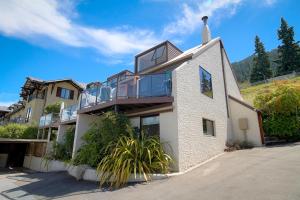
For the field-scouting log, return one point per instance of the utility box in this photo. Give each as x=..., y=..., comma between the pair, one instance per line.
x=3, y=160
x=243, y=123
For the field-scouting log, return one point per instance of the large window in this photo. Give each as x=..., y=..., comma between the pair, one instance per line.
x=28, y=113
x=152, y=58
x=206, y=82
x=208, y=127
x=64, y=93
x=150, y=125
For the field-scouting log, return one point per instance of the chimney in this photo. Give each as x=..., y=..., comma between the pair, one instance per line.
x=206, y=37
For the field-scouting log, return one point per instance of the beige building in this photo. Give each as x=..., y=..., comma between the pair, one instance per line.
x=189, y=99
x=38, y=94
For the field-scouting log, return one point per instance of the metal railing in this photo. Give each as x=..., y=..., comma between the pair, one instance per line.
x=49, y=119
x=19, y=120
x=69, y=113
x=142, y=86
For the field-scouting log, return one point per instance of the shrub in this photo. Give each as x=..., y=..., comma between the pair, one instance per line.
x=18, y=131
x=280, y=112
x=53, y=108
x=127, y=155
x=108, y=128
x=63, y=151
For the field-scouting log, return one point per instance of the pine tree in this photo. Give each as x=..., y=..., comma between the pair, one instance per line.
x=261, y=65
x=289, y=51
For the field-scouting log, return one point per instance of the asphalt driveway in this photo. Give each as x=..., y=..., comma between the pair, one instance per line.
x=259, y=173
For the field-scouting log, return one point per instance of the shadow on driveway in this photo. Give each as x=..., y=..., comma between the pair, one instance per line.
x=44, y=185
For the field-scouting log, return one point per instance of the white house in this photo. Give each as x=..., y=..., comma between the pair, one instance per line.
x=190, y=99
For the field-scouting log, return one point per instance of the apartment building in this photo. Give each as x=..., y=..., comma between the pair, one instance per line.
x=189, y=99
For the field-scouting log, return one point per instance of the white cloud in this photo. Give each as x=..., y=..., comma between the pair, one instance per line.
x=190, y=18
x=192, y=12
x=29, y=19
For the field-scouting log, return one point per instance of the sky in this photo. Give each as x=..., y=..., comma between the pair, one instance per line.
x=89, y=40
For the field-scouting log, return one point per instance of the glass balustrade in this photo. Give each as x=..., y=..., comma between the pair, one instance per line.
x=142, y=86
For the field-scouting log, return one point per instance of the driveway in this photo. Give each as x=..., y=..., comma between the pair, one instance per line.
x=259, y=173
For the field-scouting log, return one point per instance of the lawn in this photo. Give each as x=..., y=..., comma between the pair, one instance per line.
x=250, y=93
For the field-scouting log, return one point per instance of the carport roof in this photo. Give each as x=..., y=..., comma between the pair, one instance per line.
x=9, y=140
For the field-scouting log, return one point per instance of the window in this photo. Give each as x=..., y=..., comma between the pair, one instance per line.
x=208, y=127
x=150, y=125
x=152, y=58
x=206, y=83
x=28, y=113
x=64, y=93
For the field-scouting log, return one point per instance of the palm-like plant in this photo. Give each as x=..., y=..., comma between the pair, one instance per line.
x=130, y=155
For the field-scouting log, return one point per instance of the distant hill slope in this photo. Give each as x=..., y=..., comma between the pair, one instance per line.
x=242, y=69
x=250, y=93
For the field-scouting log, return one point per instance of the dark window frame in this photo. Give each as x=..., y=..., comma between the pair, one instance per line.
x=64, y=93
x=204, y=124
x=147, y=116
x=211, y=84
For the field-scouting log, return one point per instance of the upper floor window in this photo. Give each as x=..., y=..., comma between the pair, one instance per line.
x=206, y=82
x=152, y=58
x=64, y=93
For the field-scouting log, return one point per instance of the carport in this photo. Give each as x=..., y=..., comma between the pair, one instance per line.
x=13, y=151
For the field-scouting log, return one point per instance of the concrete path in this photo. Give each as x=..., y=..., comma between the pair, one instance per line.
x=260, y=173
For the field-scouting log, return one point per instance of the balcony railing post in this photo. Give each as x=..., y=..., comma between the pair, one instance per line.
x=97, y=93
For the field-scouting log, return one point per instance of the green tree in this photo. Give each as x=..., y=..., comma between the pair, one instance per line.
x=289, y=51
x=261, y=69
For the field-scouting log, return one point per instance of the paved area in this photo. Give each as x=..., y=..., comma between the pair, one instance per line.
x=260, y=173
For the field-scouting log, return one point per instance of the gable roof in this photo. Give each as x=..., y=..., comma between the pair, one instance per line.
x=32, y=83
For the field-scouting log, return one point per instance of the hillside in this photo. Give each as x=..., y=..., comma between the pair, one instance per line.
x=242, y=69
x=250, y=93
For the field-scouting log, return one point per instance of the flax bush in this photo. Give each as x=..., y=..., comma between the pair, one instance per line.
x=132, y=155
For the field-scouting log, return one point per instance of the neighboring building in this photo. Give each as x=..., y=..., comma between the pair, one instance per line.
x=189, y=99
x=38, y=94
x=4, y=110
x=16, y=114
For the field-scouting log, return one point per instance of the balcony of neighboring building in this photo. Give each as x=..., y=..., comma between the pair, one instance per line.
x=127, y=93
x=49, y=120
x=68, y=114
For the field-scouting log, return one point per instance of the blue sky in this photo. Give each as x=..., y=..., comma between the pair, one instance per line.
x=88, y=40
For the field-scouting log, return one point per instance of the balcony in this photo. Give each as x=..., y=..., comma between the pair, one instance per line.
x=19, y=120
x=69, y=114
x=130, y=90
x=49, y=120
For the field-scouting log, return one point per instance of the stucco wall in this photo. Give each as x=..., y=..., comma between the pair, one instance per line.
x=253, y=133
x=37, y=107
x=191, y=106
x=20, y=113
x=52, y=98
x=232, y=87
x=83, y=123
x=168, y=134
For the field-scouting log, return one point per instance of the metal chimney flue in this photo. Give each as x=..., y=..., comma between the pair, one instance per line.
x=206, y=37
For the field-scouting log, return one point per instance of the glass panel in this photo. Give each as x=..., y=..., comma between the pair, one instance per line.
x=89, y=96
x=150, y=126
x=152, y=58
x=206, y=83
x=208, y=127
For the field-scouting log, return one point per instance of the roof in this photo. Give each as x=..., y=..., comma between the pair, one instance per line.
x=185, y=55
x=32, y=83
x=4, y=109
x=11, y=140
